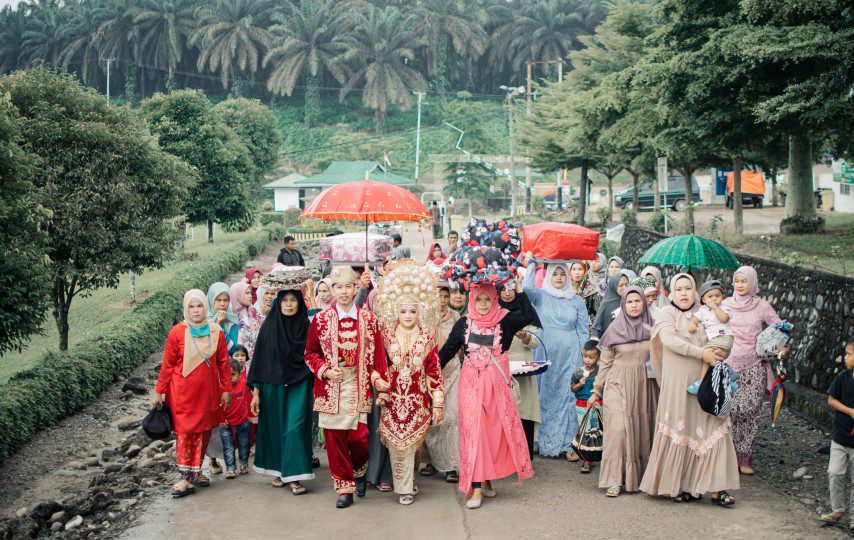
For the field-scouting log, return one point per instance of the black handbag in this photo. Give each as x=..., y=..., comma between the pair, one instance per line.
x=588, y=442
x=157, y=424
x=715, y=392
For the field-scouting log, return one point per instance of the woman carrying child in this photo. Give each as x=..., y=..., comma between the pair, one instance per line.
x=749, y=313
x=283, y=388
x=630, y=396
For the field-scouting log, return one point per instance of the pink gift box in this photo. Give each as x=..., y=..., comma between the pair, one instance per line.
x=350, y=248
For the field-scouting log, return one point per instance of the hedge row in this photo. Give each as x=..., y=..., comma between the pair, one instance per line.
x=63, y=384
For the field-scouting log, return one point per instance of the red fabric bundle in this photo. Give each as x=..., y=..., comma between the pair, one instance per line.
x=551, y=241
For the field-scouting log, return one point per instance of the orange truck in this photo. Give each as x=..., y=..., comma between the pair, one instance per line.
x=752, y=188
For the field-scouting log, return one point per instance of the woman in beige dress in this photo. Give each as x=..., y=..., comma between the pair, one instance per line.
x=692, y=452
x=630, y=396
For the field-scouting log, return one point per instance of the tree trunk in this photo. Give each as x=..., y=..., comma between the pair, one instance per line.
x=656, y=192
x=210, y=232
x=379, y=120
x=582, y=195
x=774, y=188
x=800, y=199
x=312, y=100
x=635, y=193
x=610, y=194
x=737, y=210
x=688, y=173
x=132, y=287
x=61, y=306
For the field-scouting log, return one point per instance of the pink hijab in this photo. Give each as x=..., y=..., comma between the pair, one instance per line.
x=237, y=291
x=496, y=313
x=749, y=301
x=625, y=329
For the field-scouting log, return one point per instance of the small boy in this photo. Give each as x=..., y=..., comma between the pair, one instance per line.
x=715, y=317
x=236, y=424
x=840, y=396
x=582, y=386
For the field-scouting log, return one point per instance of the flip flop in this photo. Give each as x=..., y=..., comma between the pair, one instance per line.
x=202, y=482
x=178, y=493
x=298, y=489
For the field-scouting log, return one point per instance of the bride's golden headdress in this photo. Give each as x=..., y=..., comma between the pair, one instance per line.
x=407, y=282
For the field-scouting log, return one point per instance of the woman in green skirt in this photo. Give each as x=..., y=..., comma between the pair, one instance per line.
x=283, y=392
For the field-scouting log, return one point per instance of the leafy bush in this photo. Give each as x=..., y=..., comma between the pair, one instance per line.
x=270, y=217
x=62, y=384
x=608, y=248
x=291, y=217
x=802, y=225
x=656, y=222
x=629, y=217
x=604, y=214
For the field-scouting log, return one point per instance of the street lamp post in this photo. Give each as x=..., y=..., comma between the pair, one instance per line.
x=512, y=92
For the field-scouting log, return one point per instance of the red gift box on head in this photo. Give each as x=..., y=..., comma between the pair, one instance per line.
x=550, y=241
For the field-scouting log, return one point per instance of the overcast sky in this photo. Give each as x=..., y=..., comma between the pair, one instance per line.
x=8, y=3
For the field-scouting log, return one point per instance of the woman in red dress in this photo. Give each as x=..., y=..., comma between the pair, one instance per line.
x=195, y=380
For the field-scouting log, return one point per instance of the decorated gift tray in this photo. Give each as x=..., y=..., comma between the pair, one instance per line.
x=519, y=368
x=350, y=248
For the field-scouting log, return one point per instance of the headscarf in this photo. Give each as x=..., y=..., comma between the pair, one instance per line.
x=515, y=306
x=323, y=305
x=259, y=300
x=614, y=258
x=496, y=312
x=694, y=306
x=249, y=275
x=436, y=260
x=585, y=287
x=662, y=300
x=401, y=253
x=215, y=290
x=598, y=276
x=626, y=329
x=463, y=311
x=748, y=301
x=671, y=316
x=197, y=350
x=567, y=291
x=238, y=291
x=280, y=347
x=610, y=302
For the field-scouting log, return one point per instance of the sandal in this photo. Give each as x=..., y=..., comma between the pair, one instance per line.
x=202, y=481
x=277, y=483
x=833, y=518
x=244, y=469
x=215, y=467
x=686, y=497
x=585, y=468
x=452, y=477
x=178, y=493
x=745, y=470
x=406, y=500
x=572, y=457
x=427, y=470
x=315, y=462
x=723, y=499
x=297, y=488
x=613, y=491
x=382, y=486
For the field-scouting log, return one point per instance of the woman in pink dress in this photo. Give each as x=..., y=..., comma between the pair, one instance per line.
x=492, y=441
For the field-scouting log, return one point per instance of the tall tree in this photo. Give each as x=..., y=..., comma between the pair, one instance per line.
x=117, y=38
x=43, y=39
x=164, y=26
x=303, y=46
x=232, y=36
x=379, y=51
x=110, y=191
x=256, y=126
x=23, y=274
x=188, y=127
x=13, y=24
x=80, y=52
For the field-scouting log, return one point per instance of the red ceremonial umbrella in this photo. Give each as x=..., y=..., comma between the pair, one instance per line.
x=366, y=201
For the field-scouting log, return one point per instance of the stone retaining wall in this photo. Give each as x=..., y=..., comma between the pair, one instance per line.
x=818, y=304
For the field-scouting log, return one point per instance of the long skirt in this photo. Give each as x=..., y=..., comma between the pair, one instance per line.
x=379, y=463
x=190, y=452
x=283, y=444
x=746, y=408
x=443, y=440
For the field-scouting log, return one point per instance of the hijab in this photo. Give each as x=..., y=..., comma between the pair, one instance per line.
x=610, y=302
x=662, y=300
x=496, y=312
x=197, y=349
x=463, y=311
x=323, y=305
x=249, y=275
x=598, y=276
x=215, y=290
x=677, y=318
x=516, y=305
x=585, y=288
x=626, y=329
x=567, y=291
x=748, y=301
x=614, y=258
x=280, y=346
x=238, y=291
x=694, y=306
x=436, y=260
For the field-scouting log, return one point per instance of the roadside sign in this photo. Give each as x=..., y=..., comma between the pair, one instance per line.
x=661, y=173
x=845, y=175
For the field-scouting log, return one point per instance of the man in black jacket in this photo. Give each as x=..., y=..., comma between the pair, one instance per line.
x=290, y=255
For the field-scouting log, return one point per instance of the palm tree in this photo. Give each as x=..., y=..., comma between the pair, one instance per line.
x=449, y=22
x=231, y=34
x=81, y=52
x=42, y=40
x=304, y=46
x=379, y=50
x=163, y=27
x=13, y=24
x=117, y=36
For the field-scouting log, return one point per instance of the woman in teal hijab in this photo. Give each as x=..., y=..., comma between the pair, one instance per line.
x=219, y=311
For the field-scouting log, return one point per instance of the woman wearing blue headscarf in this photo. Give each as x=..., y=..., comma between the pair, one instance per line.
x=219, y=311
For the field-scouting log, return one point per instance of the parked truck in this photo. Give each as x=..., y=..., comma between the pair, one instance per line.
x=752, y=188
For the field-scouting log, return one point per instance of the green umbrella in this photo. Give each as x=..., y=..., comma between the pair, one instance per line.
x=689, y=251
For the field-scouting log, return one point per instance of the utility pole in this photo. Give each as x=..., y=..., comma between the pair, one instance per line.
x=527, y=164
x=418, y=134
x=512, y=163
x=108, y=61
x=560, y=172
x=582, y=199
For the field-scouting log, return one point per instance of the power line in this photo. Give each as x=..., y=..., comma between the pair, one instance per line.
x=362, y=141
